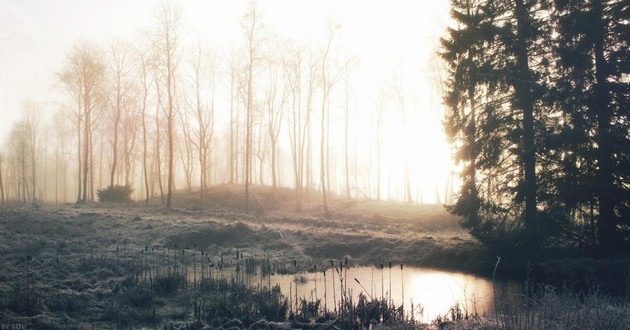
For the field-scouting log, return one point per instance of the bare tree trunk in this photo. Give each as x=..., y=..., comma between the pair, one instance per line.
x=167, y=46
x=86, y=154
x=251, y=26
x=327, y=83
x=158, y=145
x=322, y=154
x=33, y=172
x=248, y=136
x=379, y=121
x=24, y=189
x=233, y=123
x=187, y=154
x=170, y=135
x=79, y=167
x=145, y=85
x=400, y=97
x=115, y=144
x=346, y=139
x=91, y=136
x=328, y=184
x=1, y=183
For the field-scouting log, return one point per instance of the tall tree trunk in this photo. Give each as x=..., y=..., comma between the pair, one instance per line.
x=322, y=155
x=406, y=177
x=86, y=154
x=347, y=167
x=248, y=135
x=145, y=169
x=1, y=183
x=158, y=142
x=33, y=170
x=523, y=91
x=232, y=124
x=606, y=225
x=91, y=143
x=79, y=164
x=115, y=146
x=170, y=133
x=24, y=188
x=379, y=145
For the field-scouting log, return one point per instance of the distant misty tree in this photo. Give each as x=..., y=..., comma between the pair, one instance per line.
x=83, y=79
x=144, y=69
x=329, y=75
x=276, y=94
x=300, y=76
x=203, y=76
x=1, y=181
x=251, y=25
x=32, y=121
x=166, y=46
x=121, y=72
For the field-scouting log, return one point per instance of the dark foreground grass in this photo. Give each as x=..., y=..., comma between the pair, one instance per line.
x=131, y=268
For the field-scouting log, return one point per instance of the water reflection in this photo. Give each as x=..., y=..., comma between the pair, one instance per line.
x=426, y=293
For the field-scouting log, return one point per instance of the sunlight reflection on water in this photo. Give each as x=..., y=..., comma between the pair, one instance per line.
x=432, y=292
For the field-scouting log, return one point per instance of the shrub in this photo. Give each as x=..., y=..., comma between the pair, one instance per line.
x=115, y=194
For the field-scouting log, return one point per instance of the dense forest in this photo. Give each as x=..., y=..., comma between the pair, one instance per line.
x=538, y=99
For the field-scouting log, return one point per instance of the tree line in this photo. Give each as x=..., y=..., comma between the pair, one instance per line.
x=166, y=112
x=538, y=97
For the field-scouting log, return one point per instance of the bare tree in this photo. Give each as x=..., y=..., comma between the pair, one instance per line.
x=32, y=123
x=347, y=130
x=329, y=76
x=82, y=77
x=203, y=81
x=167, y=45
x=130, y=137
x=398, y=88
x=19, y=148
x=276, y=95
x=300, y=75
x=62, y=154
x=186, y=154
x=254, y=41
x=157, y=164
x=378, y=117
x=121, y=69
x=293, y=72
x=235, y=93
x=1, y=181
x=144, y=68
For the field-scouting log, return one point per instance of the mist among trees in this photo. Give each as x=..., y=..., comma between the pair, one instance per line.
x=536, y=96
x=166, y=111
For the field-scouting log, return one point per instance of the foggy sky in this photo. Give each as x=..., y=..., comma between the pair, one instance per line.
x=35, y=35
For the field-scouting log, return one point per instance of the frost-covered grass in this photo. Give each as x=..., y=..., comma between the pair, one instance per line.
x=130, y=266
x=545, y=308
x=74, y=266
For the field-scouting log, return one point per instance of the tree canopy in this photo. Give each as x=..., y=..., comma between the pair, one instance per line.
x=537, y=97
